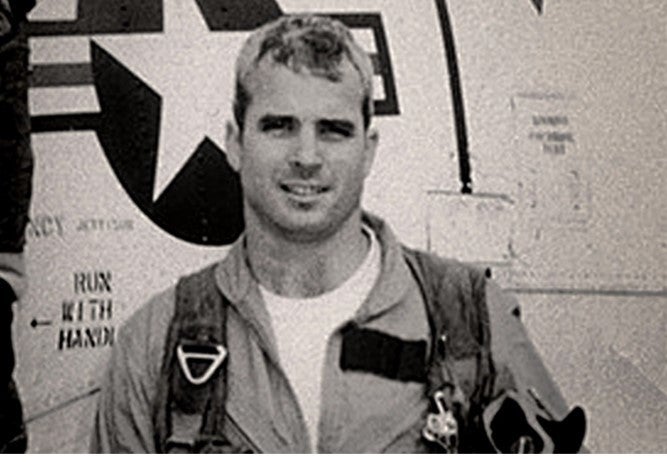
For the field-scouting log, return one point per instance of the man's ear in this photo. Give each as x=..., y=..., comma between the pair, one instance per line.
x=372, y=140
x=233, y=145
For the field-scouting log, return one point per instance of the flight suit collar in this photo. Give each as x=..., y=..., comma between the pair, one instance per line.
x=236, y=281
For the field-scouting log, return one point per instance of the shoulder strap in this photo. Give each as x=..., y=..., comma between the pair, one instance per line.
x=190, y=413
x=460, y=358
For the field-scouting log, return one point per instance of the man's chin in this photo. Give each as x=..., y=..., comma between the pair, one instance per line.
x=307, y=231
x=305, y=225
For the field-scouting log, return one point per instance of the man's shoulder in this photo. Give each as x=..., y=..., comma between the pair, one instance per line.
x=463, y=275
x=443, y=268
x=146, y=328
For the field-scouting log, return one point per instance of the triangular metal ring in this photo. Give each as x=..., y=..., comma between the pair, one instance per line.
x=215, y=358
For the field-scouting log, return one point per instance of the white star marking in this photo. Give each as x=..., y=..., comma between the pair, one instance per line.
x=192, y=68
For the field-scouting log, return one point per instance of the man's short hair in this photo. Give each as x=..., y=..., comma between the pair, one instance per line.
x=318, y=43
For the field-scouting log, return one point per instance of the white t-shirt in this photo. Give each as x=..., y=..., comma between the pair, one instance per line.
x=302, y=327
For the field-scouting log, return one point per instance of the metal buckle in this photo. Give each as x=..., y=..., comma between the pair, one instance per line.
x=214, y=353
x=441, y=427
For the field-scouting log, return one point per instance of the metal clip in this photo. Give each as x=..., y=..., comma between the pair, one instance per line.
x=214, y=353
x=441, y=427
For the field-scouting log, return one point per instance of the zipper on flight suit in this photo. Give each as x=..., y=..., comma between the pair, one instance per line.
x=241, y=434
x=274, y=361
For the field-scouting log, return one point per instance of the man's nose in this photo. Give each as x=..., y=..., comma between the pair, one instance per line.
x=306, y=155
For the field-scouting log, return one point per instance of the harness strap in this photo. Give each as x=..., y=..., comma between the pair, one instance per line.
x=199, y=322
x=461, y=372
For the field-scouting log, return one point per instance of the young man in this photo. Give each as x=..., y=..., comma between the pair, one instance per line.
x=315, y=325
x=15, y=192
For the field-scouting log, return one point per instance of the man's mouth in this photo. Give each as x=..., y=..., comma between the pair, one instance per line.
x=304, y=190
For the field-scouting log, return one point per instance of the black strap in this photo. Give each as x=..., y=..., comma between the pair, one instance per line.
x=460, y=359
x=213, y=420
x=200, y=316
x=425, y=277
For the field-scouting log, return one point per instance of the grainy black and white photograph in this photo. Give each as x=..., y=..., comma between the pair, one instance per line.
x=333, y=226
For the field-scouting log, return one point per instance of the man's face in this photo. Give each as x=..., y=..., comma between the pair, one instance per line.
x=304, y=153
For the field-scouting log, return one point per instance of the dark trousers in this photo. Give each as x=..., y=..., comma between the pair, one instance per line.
x=15, y=191
x=13, y=436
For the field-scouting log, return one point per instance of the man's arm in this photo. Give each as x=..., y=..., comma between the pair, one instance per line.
x=124, y=418
x=511, y=347
x=12, y=270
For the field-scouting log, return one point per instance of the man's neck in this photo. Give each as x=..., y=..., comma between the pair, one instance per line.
x=298, y=269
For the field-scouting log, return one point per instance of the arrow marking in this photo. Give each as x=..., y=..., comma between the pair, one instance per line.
x=34, y=323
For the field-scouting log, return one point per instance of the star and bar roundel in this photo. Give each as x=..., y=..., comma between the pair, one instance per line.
x=155, y=68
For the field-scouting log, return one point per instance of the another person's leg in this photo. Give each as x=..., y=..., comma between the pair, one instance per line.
x=15, y=191
x=13, y=436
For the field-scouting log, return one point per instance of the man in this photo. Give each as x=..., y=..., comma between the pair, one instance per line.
x=15, y=192
x=313, y=333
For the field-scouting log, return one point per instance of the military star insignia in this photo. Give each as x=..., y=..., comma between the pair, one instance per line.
x=192, y=68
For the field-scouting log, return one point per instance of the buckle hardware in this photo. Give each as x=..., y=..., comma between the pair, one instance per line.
x=214, y=353
x=441, y=427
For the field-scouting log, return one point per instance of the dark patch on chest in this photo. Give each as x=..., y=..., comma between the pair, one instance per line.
x=375, y=352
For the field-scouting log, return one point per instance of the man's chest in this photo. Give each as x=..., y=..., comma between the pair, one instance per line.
x=363, y=407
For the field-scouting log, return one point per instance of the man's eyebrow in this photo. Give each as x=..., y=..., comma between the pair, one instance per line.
x=268, y=119
x=338, y=124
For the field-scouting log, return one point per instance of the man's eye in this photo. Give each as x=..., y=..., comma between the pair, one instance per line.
x=277, y=126
x=336, y=131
